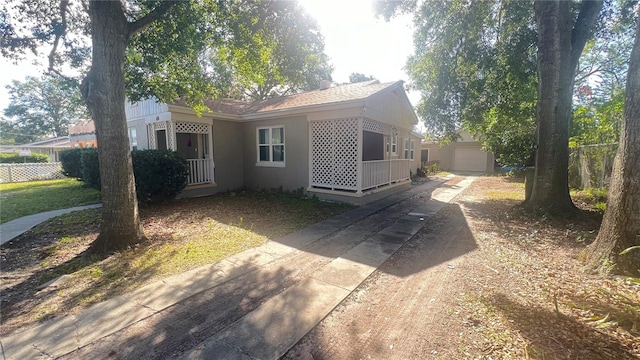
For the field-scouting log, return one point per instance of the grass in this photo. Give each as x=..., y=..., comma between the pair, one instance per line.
x=27, y=198
x=183, y=235
x=594, y=198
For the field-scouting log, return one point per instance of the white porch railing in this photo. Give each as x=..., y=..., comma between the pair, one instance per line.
x=200, y=171
x=383, y=172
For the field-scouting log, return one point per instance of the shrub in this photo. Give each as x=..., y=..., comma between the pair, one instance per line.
x=71, y=166
x=160, y=174
x=90, y=167
x=15, y=158
x=431, y=168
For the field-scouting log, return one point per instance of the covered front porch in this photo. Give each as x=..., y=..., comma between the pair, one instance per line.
x=357, y=156
x=194, y=141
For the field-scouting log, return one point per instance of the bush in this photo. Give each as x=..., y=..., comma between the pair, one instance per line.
x=160, y=174
x=15, y=158
x=90, y=167
x=71, y=166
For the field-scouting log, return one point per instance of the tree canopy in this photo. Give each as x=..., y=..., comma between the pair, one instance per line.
x=42, y=107
x=475, y=65
x=358, y=77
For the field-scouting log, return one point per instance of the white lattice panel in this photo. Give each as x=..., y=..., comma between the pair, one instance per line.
x=30, y=172
x=171, y=135
x=192, y=128
x=335, y=154
x=151, y=133
x=322, y=153
x=375, y=126
x=161, y=125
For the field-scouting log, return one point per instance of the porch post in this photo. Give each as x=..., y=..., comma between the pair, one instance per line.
x=213, y=162
x=310, y=142
x=359, y=157
x=171, y=136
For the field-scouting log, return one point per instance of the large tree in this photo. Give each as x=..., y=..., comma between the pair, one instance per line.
x=40, y=107
x=620, y=228
x=139, y=48
x=475, y=67
x=562, y=36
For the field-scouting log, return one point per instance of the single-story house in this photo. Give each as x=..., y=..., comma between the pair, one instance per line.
x=50, y=147
x=338, y=142
x=82, y=134
x=464, y=155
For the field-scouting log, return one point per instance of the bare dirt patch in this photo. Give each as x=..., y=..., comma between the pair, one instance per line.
x=482, y=281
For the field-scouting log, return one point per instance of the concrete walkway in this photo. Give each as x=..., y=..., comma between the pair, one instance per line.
x=12, y=229
x=265, y=332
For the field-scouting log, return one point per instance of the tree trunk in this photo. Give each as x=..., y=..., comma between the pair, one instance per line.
x=104, y=91
x=620, y=227
x=559, y=47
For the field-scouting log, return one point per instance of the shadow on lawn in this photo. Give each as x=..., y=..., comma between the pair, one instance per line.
x=573, y=232
x=555, y=336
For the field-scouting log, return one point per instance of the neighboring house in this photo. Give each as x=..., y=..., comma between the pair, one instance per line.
x=341, y=142
x=429, y=151
x=464, y=155
x=82, y=134
x=50, y=147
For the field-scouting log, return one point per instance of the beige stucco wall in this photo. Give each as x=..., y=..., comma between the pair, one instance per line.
x=434, y=151
x=228, y=151
x=295, y=174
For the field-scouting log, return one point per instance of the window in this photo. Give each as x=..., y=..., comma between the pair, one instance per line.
x=406, y=148
x=133, y=138
x=271, y=146
x=394, y=144
x=411, y=147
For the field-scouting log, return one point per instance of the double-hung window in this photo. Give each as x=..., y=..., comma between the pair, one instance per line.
x=270, y=146
x=406, y=148
x=394, y=144
x=411, y=149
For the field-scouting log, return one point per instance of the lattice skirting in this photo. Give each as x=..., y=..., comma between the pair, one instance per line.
x=30, y=172
x=334, y=154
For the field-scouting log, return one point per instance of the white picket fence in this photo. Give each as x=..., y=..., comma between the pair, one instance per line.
x=30, y=172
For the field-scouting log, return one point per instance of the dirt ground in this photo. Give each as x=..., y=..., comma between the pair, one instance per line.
x=479, y=281
x=482, y=282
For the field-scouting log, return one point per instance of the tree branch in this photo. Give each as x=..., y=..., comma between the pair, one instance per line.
x=59, y=33
x=583, y=28
x=148, y=19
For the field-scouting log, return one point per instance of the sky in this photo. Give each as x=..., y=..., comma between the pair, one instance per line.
x=355, y=41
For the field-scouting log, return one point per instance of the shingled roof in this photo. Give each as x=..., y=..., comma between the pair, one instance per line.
x=332, y=95
x=336, y=94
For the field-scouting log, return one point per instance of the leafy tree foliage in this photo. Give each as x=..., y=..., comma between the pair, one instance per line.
x=475, y=67
x=358, y=77
x=480, y=65
x=597, y=122
x=43, y=107
x=257, y=49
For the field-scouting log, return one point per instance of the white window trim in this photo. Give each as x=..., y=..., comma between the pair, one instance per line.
x=394, y=144
x=133, y=141
x=270, y=163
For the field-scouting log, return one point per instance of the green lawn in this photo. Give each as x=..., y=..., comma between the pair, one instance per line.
x=27, y=198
